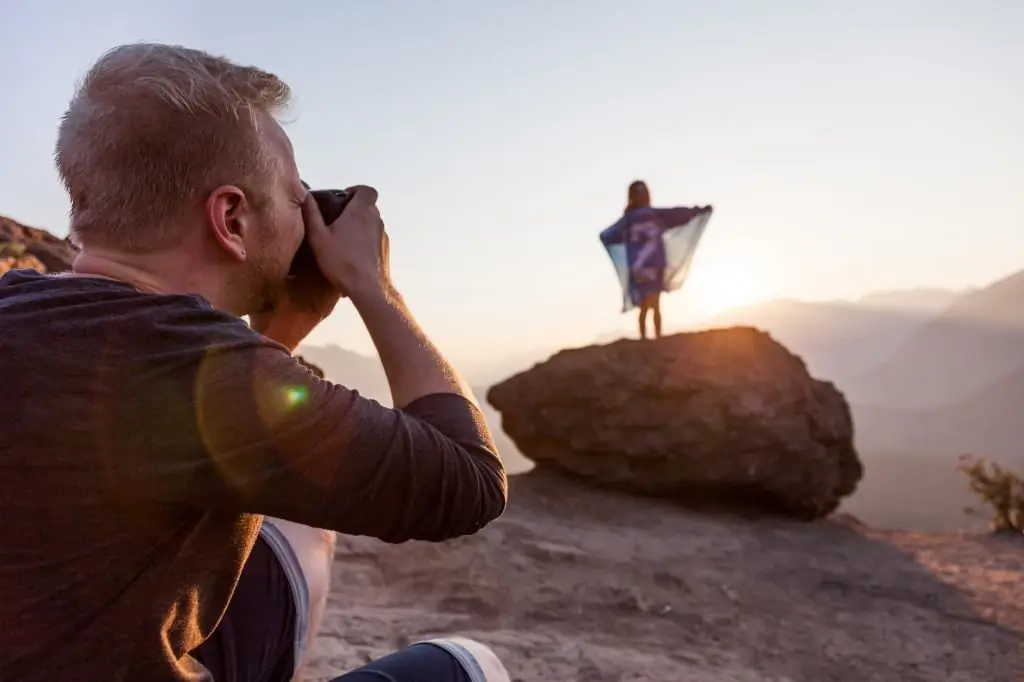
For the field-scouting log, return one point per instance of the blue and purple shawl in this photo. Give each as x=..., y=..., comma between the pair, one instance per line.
x=652, y=248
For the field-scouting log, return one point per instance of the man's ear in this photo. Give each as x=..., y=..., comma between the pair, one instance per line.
x=231, y=219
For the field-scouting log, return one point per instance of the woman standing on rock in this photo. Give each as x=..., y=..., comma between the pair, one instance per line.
x=648, y=268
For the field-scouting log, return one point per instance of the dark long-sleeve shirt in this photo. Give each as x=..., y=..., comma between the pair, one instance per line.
x=142, y=437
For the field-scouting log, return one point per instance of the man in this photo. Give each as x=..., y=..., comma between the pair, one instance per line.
x=147, y=429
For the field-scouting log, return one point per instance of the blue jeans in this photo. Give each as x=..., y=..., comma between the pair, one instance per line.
x=417, y=663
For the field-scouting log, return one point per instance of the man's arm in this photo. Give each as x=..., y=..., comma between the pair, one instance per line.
x=235, y=423
x=273, y=438
x=413, y=365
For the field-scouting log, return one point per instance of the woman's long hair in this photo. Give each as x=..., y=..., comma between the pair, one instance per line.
x=638, y=196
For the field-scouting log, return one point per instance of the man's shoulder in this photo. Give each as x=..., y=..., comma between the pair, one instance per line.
x=92, y=307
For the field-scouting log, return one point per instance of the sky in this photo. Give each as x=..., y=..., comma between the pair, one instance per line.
x=846, y=147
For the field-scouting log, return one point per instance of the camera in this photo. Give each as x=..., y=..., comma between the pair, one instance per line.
x=331, y=202
x=304, y=276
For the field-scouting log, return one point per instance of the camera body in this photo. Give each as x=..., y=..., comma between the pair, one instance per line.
x=304, y=277
x=331, y=203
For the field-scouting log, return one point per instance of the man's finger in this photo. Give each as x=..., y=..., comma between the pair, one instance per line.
x=362, y=195
x=311, y=217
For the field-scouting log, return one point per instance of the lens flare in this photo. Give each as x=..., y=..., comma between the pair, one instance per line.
x=296, y=395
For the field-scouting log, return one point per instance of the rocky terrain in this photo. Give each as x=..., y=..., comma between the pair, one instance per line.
x=33, y=248
x=574, y=583
x=727, y=416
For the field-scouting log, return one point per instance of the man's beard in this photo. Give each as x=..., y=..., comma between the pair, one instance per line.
x=265, y=281
x=266, y=287
x=270, y=292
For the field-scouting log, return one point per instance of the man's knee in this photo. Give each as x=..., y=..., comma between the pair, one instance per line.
x=480, y=657
x=314, y=550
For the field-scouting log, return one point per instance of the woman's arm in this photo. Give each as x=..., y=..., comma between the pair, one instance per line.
x=680, y=215
x=616, y=234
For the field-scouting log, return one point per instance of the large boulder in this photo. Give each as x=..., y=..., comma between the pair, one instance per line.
x=29, y=247
x=727, y=416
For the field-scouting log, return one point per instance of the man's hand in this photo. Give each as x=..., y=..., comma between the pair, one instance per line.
x=305, y=301
x=292, y=320
x=352, y=252
x=353, y=255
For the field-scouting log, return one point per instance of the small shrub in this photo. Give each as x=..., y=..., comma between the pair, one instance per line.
x=999, y=489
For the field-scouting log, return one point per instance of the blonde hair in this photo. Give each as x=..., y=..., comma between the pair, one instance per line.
x=152, y=128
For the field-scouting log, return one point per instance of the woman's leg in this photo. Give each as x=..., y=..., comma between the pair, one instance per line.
x=454, y=659
x=650, y=303
x=655, y=305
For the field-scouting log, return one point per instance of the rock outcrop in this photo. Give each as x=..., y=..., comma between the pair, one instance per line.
x=30, y=247
x=727, y=417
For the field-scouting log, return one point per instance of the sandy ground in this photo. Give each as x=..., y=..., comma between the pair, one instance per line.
x=575, y=584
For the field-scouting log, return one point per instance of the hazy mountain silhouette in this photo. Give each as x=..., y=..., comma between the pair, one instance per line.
x=991, y=417
x=924, y=299
x=500, y=368
x=986, y=422
x=914, y=491
x=838, y=340
x=975, y=342
x=352, y=370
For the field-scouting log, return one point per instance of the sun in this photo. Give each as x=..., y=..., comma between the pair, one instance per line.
x=716, y=287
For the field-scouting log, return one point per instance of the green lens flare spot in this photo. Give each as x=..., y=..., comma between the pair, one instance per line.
x=296, y=395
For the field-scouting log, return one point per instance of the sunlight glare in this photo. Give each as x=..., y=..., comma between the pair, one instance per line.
x=716, y=287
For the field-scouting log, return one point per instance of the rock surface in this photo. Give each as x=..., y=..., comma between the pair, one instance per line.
x=575, y=583
x=32, y=248
x=727, y=417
